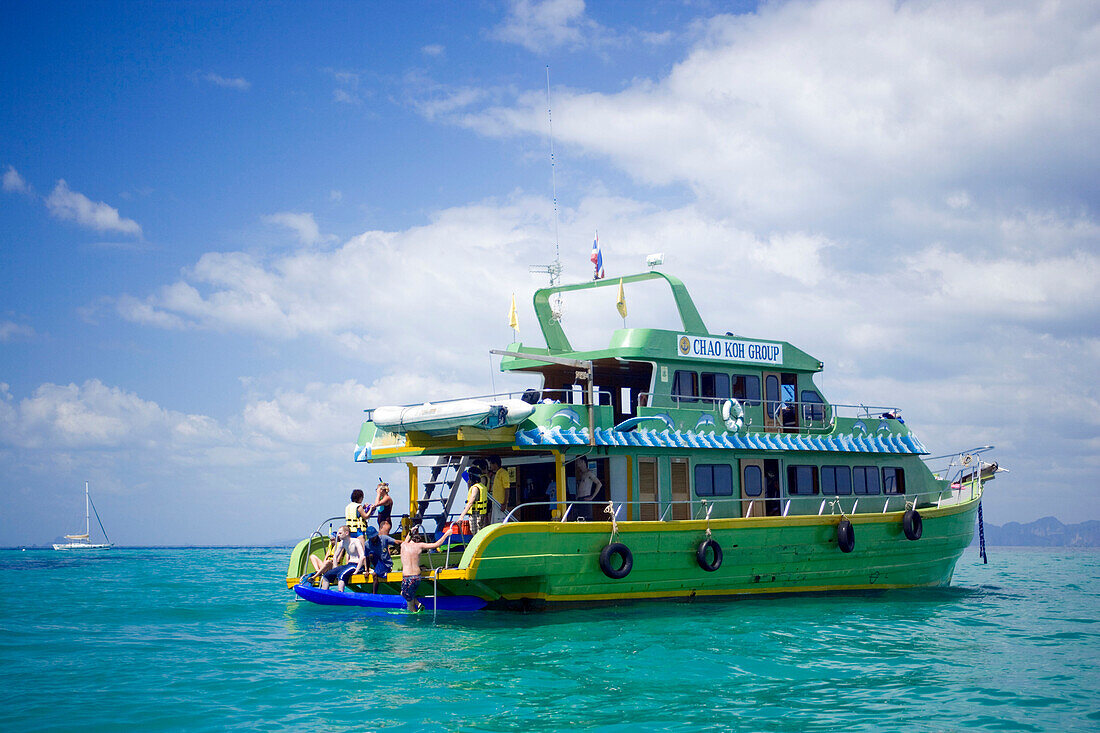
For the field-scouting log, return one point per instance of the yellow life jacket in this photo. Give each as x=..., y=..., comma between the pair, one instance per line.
x=355, y=522
x=481, y=505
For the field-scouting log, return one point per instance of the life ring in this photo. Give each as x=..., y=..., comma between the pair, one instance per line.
x=733, y=415
x=616, y=548
x=845, y=536
x=701, y=555
x=912, y=524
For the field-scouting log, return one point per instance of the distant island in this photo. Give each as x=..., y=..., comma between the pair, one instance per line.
x=1045, y=532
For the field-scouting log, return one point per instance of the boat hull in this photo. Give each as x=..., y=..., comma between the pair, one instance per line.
x=329, y=597
x=525, y=564
x=82, y=546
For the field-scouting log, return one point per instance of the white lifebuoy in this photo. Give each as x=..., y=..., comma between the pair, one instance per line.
x=733, y=415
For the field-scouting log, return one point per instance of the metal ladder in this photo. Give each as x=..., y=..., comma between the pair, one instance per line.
x=445, y=499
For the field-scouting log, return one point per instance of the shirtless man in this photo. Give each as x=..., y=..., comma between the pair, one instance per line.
x=411, y=547
x=588, y=487
x=353, y=552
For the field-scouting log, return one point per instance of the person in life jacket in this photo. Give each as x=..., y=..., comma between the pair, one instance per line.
x=477, y=500
x=356, y=515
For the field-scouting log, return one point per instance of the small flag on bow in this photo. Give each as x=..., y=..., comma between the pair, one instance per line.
x=513, y=319
x=597, y=258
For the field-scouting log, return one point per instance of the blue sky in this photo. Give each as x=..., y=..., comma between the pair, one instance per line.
x=228, y=228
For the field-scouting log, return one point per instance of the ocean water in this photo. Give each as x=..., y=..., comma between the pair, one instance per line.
x=210, y=639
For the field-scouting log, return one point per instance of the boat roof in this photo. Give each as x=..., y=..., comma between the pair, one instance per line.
x=693, y=343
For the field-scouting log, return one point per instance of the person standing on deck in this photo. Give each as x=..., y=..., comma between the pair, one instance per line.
x=588, y=487
x=498, y=479
x=383, y=502
x=411, y=548
x=477, y=500
x=355, y=515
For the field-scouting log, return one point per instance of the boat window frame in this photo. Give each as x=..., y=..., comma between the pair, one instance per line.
x=746, y=483
x=722, y=378
x=711, y=469
x=744, y=397
x=834, y=470
x=674, y=391
x=867, y=471
x=794, y=480
x=898, y=481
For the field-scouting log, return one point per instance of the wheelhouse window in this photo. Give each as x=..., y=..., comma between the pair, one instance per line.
x=893, y=480
x=813, y=407
x=715, y=385
x=865, y=480
x=746, y=388
x=753, y=484
x=836, y=480
x=801, y=480
x=713, y=479
x=685, y=386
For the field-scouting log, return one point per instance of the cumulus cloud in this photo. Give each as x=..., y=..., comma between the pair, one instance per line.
x=543, y=26
x=235, y=82
x=10, y=330
x=65, y=203
x=14, y=183
x=302, y=224
x=831, y=112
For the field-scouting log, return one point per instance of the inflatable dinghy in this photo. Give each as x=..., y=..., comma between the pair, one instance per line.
x=393, y=602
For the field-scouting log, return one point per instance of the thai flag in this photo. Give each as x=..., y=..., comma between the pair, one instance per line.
x=597, y=259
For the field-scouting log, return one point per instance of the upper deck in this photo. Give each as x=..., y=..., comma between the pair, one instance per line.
x=648, y=387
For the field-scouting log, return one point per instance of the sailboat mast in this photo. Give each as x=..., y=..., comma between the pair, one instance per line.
x=87, y=520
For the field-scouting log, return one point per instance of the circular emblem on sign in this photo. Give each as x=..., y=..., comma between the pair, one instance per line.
x=685, y=345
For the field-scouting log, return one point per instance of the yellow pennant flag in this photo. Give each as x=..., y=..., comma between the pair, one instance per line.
x=620, y=304
x=513, y=320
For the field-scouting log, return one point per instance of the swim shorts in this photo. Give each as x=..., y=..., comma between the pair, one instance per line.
x=409, y=586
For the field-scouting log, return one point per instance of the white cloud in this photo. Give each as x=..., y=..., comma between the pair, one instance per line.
x=433, y=49
x=543, y=26
x=302, y=224
x=14, y=183
x=10, y=330
x=826, y=113
x=235, y=82
x=65, y=203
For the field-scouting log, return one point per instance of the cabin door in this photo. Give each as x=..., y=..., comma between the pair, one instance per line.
x=752, y=488
x=780, y=402
x=647, y=489
x=681, y=490
x=772, y=497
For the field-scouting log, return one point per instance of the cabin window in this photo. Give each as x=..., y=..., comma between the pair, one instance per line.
x=685, y=386
x=813, y=408
x=713, y=479
x=771, y=390
x=746, y=388
x=801, y=480
x=836, y=480
x=715, y=385
x=754, y=481
x=893, y=480
x=865, y=479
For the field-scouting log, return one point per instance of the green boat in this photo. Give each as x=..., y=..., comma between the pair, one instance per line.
x=668, y=465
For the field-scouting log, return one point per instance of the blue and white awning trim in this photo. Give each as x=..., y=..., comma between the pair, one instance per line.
x=641, y=437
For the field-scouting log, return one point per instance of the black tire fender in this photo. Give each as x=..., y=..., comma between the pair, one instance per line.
x=912, y=524
x=845, y=536
x=701, y=555
x=616, y=548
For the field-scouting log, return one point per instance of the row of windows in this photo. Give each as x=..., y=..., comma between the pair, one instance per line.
x=715, y=385
x=803, y=480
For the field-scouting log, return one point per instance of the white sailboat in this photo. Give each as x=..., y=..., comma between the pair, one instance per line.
x=83, y=541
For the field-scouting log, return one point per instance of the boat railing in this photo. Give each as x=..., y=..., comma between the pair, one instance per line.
x=810, y=416
x=961, y=467
x=702, y=508
x=531, y=396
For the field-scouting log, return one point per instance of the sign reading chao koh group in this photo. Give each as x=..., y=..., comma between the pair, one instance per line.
x=705, y=347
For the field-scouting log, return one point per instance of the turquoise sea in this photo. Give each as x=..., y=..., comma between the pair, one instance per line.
x=211, y=639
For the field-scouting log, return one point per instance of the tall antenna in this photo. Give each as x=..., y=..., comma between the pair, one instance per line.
x=554, y=269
